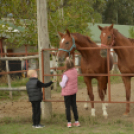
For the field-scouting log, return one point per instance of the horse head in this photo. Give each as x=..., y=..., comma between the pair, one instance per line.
x=67, y=46
x=107, y=38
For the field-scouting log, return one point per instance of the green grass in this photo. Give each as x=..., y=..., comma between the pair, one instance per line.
x=16, y=83
x=57, y=125
x=16, y=94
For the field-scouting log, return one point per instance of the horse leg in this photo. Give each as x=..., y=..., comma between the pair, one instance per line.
x=87, y=97
x=86, y=104
x=127, y=83
x=102, y=92
x=90, y=93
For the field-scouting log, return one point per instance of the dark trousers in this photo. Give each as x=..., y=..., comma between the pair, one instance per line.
x=36, y=112
x=70, y=102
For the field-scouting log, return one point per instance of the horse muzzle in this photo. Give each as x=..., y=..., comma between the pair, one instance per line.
x=61, y=59
x=102, y=45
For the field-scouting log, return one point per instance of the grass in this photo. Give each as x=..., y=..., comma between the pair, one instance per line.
x=57, y=125
x=16, y=82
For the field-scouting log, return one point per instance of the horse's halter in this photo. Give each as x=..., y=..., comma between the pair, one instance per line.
x=113, y=40
x=73, y=46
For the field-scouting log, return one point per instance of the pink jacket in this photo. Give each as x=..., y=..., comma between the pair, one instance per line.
x=71, y=85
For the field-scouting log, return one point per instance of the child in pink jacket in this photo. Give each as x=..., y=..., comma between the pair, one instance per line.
x=69, y=90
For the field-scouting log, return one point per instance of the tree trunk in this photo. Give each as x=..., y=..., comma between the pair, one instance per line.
x=43, y=42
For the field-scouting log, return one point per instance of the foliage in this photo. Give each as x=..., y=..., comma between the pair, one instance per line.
x=22, y=15
x=73, y=15
x=119, y=12
x=23, y=9
x=131, y=32
x=65, y=14
x=62, y=14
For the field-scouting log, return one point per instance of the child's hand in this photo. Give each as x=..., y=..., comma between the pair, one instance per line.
x=54, y=80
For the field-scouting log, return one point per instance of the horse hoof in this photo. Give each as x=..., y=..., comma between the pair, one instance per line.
x=125, y=115
x=86, y=107
x=106, y=104
x=93, y=115
x=105, y=117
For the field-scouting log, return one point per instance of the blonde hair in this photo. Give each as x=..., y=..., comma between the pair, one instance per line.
x=69, y=63
x=30, y=73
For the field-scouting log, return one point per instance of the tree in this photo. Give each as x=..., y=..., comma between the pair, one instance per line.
x=119, y=12
x=24, y=9
x=131, y=32
x=62, y=14
x=77, y=15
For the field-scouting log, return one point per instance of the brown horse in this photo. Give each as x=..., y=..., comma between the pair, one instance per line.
x=111, y=37
x=91, y=63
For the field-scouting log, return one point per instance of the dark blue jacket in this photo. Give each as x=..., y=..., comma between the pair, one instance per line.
x=34, y=89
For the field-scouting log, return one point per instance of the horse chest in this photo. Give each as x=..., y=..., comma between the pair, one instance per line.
x=87, y=69
x=126, y=66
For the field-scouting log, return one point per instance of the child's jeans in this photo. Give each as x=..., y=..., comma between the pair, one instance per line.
x=70, y=101
x=36, y=112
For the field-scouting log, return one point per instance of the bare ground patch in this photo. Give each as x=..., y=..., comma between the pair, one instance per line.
x=22, y=108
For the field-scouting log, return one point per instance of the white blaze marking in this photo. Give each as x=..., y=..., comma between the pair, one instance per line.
x=62, y=40
x=104, y=34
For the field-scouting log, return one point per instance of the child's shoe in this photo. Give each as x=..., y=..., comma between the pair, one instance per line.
x=69, y=125
x=34, y=126
x=39, y=126
x=77, y=124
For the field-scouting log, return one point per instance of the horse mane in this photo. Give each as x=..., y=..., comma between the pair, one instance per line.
x=130, y=39
x=83, y=38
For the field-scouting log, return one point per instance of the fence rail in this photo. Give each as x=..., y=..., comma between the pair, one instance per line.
x=99, y=74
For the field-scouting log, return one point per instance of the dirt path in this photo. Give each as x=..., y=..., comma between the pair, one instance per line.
x=22, y=107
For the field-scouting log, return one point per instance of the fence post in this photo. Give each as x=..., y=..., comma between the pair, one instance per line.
x=8, y=76
x=43, y=42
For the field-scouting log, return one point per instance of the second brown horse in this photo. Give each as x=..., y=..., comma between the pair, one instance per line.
x=111, y=37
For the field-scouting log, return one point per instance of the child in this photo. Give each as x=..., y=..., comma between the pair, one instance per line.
x=35, y=96
x=69, y=89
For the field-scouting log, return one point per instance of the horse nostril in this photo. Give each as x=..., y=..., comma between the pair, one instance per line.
x=60, y=59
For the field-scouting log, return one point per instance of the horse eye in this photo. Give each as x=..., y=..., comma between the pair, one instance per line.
x=109, y=37
x=67, y=43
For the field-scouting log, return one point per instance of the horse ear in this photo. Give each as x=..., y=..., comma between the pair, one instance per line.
x=67, y=31
x=61, y=34
x=111, y=27
x=101, y=28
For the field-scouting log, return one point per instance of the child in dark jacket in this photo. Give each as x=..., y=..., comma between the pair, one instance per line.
x=33, y=87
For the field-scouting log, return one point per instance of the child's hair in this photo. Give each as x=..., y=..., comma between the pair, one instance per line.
x=31, y=72
x=69, y=63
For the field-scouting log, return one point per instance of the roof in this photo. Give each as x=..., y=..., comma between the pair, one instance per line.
x=95, y=31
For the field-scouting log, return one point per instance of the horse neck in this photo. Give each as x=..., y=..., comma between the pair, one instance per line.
x=120, y=40
x=86, y=54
